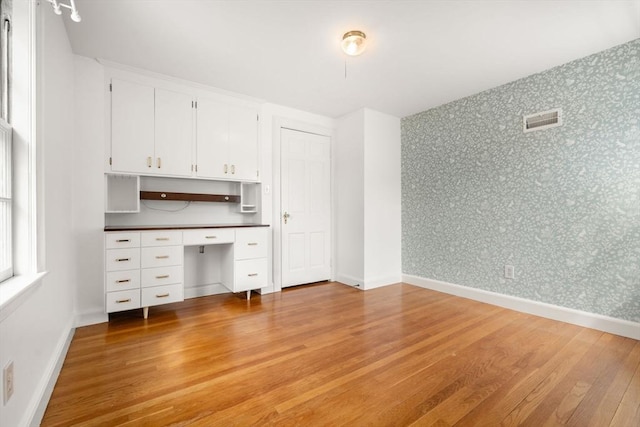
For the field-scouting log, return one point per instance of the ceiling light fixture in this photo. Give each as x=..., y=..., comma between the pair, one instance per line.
x=353, y=42
x=75, y=16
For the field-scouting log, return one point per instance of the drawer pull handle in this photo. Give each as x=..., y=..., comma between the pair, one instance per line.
x=123, y=240
x=121, y=301
x=162, y=256
x=164, y=276
x=123, y=281
x=122, y=259
x=252, y=274
x=210, y=237
x=252, y=244
x=162, y=238
x=162, y=295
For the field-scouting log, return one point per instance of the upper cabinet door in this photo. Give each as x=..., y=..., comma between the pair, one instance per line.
x=132, y=127
x=243, y=144
x=212, y=140
x=173, y=133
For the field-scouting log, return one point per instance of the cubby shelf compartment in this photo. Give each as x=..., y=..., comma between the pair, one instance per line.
x=189, y=197
x=121, y=193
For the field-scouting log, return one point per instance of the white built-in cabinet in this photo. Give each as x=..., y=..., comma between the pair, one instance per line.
x=227, y=141
x=151, y=130
x=155, y=131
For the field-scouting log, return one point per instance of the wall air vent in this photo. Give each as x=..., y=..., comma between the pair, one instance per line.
x=543, y=120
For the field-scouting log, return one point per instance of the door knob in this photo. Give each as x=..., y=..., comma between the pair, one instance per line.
x=286, y=216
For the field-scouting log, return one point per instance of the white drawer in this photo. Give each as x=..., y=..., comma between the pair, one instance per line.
x=250, y=243
x=250, y=274
x=122, y=259
x=162, y=294
x=208, y=236
x=123, y=300
x=162, y=256
x=162, y=276
x=160, y=238
x=123, y=280
x=121, y=240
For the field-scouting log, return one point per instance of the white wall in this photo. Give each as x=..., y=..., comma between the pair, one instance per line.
x=88, y=190
x=349, y=188
x=35, y=334
x=368, y=211
x=382, y=200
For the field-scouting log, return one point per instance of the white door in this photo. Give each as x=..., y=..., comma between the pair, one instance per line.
x=132, y=123
x=305, y=207
x=174, y=133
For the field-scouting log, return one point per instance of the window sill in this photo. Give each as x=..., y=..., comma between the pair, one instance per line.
x=14, y=291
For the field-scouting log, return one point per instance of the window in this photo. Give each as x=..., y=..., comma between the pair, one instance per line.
x=6, y=247
x=6, y=259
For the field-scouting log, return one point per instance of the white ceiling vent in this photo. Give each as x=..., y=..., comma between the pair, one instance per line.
x=543, y=120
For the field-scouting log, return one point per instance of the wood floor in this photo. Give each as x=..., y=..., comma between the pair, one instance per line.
x=332, y=355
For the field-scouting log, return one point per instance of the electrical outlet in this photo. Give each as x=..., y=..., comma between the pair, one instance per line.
x=7, y=381
x=509, y=272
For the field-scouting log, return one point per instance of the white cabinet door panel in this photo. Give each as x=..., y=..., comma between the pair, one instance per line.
x=122, y=259
x=123, y=280
x=243, y=143
x=208, y=236
x=250, y=243
x=162, y=295
x=161, y=238
x=162, y=256
x=212, y=139
x=173, y=133
x=132, y=127
x=162, y=276
x=250, y=274
x=123, y=300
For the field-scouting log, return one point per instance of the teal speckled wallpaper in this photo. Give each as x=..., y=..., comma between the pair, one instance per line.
x=562, y=205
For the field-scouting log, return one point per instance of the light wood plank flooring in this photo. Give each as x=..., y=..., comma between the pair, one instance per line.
x=329, y=354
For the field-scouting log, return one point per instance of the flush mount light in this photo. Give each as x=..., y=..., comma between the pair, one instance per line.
x=353, y=42
x=75, y=16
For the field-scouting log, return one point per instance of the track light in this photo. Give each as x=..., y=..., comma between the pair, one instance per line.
x=75, y=16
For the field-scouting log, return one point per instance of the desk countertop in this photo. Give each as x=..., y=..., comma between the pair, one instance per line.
x=176, y=227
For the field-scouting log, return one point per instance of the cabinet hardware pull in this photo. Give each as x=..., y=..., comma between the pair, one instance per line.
x=225, y=168
x=123, y=240
x=162, y=238
x=162, y=256
x=120, y=301
x=123, y=281
x=210, y=237
x=122, y=259
x=162, y=296
x=233, y=169
x=252, y=274
x=149, y=162
x=159, y=162
x=252, y=244
x=164, y=276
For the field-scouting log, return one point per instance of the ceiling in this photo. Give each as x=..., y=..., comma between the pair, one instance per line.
x=420, y=54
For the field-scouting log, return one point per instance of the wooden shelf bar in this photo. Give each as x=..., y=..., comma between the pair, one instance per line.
x=189, y=197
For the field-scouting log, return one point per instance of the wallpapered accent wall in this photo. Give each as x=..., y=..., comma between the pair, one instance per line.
x=561, y=205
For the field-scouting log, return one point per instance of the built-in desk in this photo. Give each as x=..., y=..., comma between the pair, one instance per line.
x=144, y=264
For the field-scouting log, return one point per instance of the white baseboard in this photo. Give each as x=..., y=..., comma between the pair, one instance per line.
x=356, y=282
x=91, y=318
x=379, y=282
x=204, y=290
x=48, y=382
x=608, y=324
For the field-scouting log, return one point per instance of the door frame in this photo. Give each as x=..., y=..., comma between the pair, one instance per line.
x=280, y=123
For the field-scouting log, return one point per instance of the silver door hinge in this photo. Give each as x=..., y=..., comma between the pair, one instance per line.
x=257, y=173
x=110, y=161
x=258, y=117
x=110, y=87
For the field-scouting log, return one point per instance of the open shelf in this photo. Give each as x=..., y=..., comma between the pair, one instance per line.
x=249, y=194
x=121, y=193
x=189, y=197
